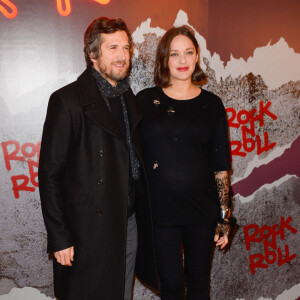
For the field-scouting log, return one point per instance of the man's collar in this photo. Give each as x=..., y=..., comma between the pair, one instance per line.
x=88, y=90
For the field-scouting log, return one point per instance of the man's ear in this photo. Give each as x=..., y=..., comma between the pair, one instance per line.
x=92, y=57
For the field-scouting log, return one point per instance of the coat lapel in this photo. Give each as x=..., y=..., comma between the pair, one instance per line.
x=94, y=105
x=135, y=113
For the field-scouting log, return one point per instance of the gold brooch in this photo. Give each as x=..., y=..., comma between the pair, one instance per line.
x=171, y=111
x=156, y=102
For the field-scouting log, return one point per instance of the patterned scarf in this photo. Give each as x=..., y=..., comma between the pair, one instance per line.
x=109, y=91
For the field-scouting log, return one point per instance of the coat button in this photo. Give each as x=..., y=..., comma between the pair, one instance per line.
x=99, y=212
x=101, y=152
x=175, y=139
x=100, y=181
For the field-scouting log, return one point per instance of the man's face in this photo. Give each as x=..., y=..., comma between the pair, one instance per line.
x=114, y=57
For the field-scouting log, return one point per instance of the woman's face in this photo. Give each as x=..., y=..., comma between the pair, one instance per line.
x=182, y=59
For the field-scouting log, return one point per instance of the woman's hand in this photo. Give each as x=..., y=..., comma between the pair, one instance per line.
x=223, y=240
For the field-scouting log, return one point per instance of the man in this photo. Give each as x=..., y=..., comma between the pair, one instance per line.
x=91, y=176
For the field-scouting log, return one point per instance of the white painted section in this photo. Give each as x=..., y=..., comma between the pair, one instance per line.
x=266, y=186
x=290, y=294
x=30, y=86
x=26, y=293
x=276, y=64
x=138, y=34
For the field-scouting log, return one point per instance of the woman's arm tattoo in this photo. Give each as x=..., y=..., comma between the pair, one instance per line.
x=222, y=182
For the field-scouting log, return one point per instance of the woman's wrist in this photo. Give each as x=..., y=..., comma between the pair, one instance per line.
x=225, y=213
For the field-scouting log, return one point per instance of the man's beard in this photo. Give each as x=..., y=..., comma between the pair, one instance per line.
x=115, y=76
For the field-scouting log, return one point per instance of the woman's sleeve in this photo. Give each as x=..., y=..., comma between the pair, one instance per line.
x=220, y=147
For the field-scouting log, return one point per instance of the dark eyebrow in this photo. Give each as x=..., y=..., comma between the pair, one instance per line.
x=192, y=48
x=116, y=45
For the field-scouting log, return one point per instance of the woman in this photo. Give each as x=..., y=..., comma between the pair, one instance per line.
x=185, y=138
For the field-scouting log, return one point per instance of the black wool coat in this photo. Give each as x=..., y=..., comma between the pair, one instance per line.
x=83, y=179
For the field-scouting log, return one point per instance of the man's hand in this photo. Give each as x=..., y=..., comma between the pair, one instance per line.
x=65, y=257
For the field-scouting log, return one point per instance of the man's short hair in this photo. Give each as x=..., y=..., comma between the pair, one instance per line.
x=92, y=36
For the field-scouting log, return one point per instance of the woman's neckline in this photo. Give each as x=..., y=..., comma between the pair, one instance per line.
x=181, y=100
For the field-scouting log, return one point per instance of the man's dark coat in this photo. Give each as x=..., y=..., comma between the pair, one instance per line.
x=83, y=178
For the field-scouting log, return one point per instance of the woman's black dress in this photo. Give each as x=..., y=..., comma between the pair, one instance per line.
x=185, y=142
